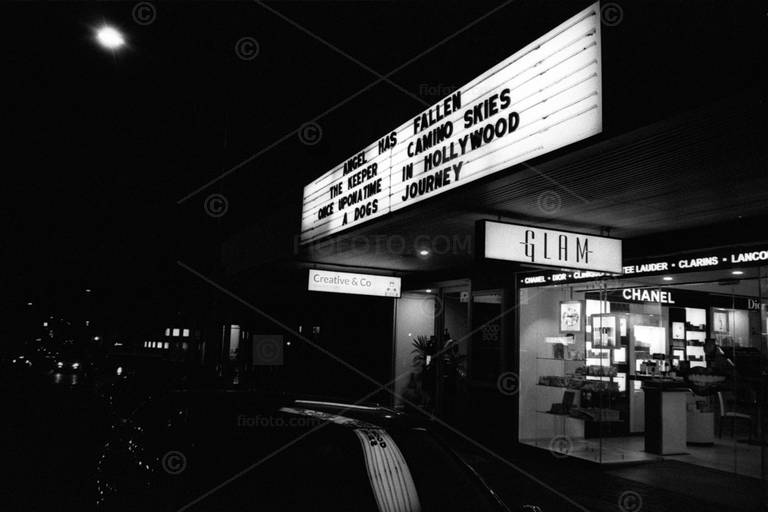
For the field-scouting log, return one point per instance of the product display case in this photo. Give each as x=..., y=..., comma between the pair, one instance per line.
x=695, y=336
x=580, y=387
x=677, y=342
x=606, y=351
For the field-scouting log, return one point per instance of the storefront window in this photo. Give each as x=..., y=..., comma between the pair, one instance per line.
x=576, y=351
x=622, y=370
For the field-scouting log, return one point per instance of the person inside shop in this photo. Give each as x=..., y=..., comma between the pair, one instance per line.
x=716, y=358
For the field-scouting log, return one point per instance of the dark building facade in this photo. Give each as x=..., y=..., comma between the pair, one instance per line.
x=577, y=359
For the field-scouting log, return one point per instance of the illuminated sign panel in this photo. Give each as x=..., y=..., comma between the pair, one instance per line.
x=543, y=97
x=711, y=259
x=537, y=246
x=357, y=284
x=647, y=295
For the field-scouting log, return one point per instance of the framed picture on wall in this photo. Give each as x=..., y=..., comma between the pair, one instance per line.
x=622, y=326
x=571, y=316
x=720, y=322
x=678, y=330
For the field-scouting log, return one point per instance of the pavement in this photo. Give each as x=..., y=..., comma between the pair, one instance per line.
x=558, y=483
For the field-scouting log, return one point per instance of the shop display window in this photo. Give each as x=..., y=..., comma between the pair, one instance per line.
x=589, y=353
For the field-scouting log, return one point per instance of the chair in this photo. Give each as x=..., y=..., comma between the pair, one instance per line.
x=730, y=415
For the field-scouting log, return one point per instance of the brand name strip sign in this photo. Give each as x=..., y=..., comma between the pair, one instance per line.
x=544, y=97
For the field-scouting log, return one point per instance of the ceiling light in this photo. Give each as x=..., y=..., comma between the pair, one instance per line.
x=737, y=272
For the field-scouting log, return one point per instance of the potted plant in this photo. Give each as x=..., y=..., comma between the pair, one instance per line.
x=437, y=361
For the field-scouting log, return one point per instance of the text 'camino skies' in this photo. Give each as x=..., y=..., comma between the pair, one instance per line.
x=543, y=97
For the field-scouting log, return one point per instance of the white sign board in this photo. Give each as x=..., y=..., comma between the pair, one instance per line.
x=537, y=246
x=358, y=284
x=543, y=97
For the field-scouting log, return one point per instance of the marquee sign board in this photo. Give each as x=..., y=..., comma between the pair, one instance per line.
x=543, y=97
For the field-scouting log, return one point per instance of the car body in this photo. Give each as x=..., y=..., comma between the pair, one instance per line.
x=239, y=450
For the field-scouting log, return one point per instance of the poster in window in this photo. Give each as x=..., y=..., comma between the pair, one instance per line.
x=622, y=326
x=571, y=316
x=720, y=322
x=604, y=331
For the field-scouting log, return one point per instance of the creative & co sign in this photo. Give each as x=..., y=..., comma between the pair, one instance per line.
x=356, y=284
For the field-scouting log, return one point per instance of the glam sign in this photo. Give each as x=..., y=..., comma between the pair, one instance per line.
x=549, y=247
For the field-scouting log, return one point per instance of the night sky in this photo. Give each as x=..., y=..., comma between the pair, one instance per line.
x=106, y=152
x=104, y=148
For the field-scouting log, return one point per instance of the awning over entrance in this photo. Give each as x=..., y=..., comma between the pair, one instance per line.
x=700, y=168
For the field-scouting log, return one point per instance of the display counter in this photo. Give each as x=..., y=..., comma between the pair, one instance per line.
x=666, y=416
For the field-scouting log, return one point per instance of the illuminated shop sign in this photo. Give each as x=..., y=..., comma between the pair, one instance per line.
x=537, y=246
x=716, y=259
x=675, y=297
x=356, y=284
x=657, y=296
x=710, y=261
x=545, y=96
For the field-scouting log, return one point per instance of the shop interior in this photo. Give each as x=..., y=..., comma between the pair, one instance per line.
x=620, y=370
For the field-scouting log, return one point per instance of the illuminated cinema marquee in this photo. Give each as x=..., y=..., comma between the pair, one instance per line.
x=545, y=96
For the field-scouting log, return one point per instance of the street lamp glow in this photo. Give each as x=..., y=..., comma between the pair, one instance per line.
x=110, y=38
